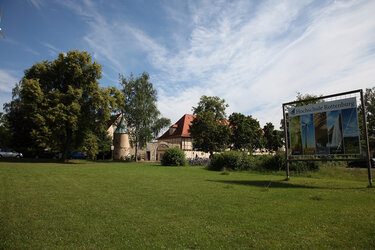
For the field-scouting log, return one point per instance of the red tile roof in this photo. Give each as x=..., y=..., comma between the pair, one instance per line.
x=181, y=128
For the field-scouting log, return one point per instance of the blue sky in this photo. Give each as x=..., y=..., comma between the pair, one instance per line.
x=254, y=54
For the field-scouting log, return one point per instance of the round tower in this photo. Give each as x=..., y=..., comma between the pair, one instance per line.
x=121, y=141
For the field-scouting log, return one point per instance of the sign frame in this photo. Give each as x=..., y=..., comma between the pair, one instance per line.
x=291, y=158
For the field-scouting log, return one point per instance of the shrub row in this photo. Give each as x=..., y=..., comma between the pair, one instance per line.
x=231, y=160
x=242, y=161
x=234, y=160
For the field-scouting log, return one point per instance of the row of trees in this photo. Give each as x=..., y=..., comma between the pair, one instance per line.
x=211, y=131
x=59, y=105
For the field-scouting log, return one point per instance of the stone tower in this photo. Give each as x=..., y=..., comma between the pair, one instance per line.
x=121, y=141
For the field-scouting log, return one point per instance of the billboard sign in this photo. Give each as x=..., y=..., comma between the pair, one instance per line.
x=325, y=128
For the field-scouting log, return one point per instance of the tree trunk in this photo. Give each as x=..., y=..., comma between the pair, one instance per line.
x=136, y=150
x=65, y=147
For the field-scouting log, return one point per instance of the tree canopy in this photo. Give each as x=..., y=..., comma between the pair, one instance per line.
x=140, y=111
x=59, y=105
x=369, y=101
x=211, y=103
x=307, y=99
x=209, y=129
x=272, y=139
x=246, y=132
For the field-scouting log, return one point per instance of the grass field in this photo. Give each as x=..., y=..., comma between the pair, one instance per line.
x=128, y=205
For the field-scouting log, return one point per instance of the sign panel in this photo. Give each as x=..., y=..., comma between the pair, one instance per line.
x=325, y=128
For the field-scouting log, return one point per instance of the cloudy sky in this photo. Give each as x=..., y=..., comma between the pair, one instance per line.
x=254, y=54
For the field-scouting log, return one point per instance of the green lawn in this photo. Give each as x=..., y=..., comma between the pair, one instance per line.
x=127, y=205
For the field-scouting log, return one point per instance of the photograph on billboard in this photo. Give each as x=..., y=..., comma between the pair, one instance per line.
x=325, y=128
x=308, y=134
x=335, y=142
x=321, y=133
x=350, y=131
x=295, y=135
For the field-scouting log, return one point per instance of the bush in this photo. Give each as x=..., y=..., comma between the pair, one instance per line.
x=173, y=157
x=277, y=162
x=235, y=160
x=232, y=160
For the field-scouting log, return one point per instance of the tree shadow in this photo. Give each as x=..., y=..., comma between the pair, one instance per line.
x=277, y=184
x=269, y=184
x=32, y=160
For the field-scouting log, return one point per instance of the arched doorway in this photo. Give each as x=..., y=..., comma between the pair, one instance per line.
x=161, y=150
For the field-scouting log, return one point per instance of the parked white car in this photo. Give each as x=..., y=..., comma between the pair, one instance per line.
x=7, y=152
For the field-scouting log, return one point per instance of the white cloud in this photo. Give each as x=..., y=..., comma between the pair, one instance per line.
x=256, y=56
x=7, y=81
x=52, y=50
x=255, y=72
x=36, y=3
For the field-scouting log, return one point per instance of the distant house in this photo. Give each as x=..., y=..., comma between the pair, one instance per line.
x=178, y=136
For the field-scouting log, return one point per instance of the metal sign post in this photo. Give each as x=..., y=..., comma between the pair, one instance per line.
x=368, y=160
x=286, y=144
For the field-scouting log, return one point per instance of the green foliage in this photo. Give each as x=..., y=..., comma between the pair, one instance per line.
x=307, y=99
x=246, y=132
x=211, y=103
x=209, y=129
x=369, y=100
x=90, y=146
x=272, y=139
x=5, y=133
x=57, y=104
x=277, y=162
x=159, y=125
x=173, y=157
x=233, y=160
x=209, y=135
x=140, y=110
x=104, y=147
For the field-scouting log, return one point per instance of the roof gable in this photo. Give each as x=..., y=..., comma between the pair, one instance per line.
x=179, y=129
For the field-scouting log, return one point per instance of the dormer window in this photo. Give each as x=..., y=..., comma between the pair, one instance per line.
x=172, y=129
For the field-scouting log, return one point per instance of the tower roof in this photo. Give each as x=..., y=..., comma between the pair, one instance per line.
x=121, y=128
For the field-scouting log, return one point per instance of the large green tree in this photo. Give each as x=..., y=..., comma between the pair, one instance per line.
x=246, y=132
x=210, y=130
x=213, y=104
x=107, y=101
x=369, y=101
x=59, y=105
x=370, y=111
x=140, y=110
x=272, y=139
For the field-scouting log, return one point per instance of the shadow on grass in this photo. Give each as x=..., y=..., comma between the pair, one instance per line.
x=269, y=184
x=32, y=160
x=278, y=184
